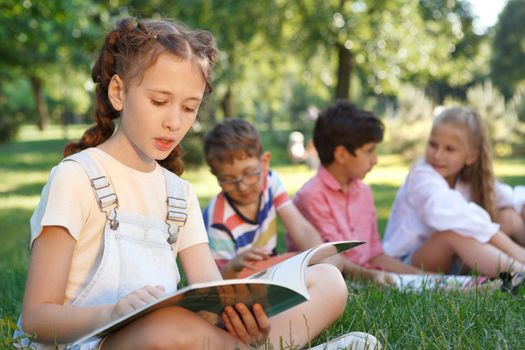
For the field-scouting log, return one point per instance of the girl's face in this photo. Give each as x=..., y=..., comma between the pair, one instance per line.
x=157, y=111
x=448, y=151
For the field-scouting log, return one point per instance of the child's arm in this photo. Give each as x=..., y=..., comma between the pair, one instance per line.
x=394, y=265
x=198, y=264
x=43, y=312
x=507, y=245
x=246, y=259
x=354, y=271
x=303, y=233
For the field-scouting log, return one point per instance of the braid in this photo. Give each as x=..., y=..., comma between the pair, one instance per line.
x=102, y=72
x=128, y=51
x=173, y=162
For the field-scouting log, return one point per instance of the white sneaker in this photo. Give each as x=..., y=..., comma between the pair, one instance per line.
x=351, y=341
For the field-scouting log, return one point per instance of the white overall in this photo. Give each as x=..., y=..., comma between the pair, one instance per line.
x=138, y=250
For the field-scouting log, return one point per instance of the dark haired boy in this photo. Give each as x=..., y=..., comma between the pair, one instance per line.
x=241, y=220
x=335, y=200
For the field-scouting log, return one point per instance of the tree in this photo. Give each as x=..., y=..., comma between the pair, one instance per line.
x=39, y=37
x=233, y=23
x=508, y=48
x=388, y=43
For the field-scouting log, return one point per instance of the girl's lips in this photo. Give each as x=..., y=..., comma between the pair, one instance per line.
x=164, y=144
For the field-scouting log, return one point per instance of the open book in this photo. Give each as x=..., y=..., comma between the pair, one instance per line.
x=277, y=289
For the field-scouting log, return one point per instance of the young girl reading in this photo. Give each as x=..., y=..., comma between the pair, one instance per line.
x=114, y=216
x=450, y=208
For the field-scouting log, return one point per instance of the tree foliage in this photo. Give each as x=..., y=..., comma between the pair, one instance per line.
x=508, y=55
x=279, y=58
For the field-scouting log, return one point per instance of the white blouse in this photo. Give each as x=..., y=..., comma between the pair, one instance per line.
x=426, y=204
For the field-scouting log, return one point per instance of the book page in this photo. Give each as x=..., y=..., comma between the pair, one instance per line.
x=291, y=271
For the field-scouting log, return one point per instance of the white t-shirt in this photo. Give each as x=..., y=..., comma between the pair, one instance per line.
x=426, y=204
x=68, y=200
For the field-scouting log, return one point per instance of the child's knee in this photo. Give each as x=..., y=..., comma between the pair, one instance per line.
x=170, y=328
x=445, y=237
x=328, y=278
x=510, y=220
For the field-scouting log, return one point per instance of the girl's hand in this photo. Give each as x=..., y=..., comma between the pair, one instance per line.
x=246, y=258
x=250, y=327
x=135, y=300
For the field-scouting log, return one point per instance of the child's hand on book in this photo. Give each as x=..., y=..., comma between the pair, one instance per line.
x=252, y=327
x=247, y=259
x=135, y=300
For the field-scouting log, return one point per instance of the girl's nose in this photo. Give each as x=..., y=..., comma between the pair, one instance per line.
x=438, y=152
x=172, y=119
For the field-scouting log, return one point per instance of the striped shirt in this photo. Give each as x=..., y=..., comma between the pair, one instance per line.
x=231, y=233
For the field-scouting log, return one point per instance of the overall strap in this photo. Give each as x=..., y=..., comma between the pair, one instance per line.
x=106, y=198
x=177, y=204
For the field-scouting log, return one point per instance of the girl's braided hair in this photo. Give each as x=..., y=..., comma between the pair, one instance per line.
x=129, y=50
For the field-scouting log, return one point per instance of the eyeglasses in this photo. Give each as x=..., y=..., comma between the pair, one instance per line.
x=247, y=179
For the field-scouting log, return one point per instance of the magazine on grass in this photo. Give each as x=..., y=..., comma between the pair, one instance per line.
x=276, y=288
x=418, y=283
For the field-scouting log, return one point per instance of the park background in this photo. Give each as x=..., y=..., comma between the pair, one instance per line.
x=282, y=61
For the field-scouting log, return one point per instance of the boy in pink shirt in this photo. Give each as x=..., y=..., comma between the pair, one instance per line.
x=335, y=200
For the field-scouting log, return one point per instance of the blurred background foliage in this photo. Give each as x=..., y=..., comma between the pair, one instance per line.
x=283, y=60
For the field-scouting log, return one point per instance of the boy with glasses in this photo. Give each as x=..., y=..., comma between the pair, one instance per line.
x=241, y=219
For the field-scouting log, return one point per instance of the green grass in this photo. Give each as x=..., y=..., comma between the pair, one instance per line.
x=430, y=320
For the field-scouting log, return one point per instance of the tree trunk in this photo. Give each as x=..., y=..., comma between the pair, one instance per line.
x=40, y=102
x=344, y=71
x=227, y=103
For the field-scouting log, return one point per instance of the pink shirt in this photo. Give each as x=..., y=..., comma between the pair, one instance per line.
x=342, y=216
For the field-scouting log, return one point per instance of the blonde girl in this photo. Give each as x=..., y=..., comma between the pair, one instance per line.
x=113, y=215
x=451, y=210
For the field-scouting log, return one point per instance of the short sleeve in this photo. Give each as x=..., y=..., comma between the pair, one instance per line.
x=506, y=196
x=66, y=200
x=518, y=198
x=193, y=232
x=222, y=245
x=280, y=196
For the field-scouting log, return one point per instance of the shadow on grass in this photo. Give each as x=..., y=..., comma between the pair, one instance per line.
x=31, y=155
x=29, y=189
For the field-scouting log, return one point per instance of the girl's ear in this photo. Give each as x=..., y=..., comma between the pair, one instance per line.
x=472, y=157
x=116, y=92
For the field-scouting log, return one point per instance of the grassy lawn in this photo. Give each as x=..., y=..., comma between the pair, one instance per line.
x=430, y=320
